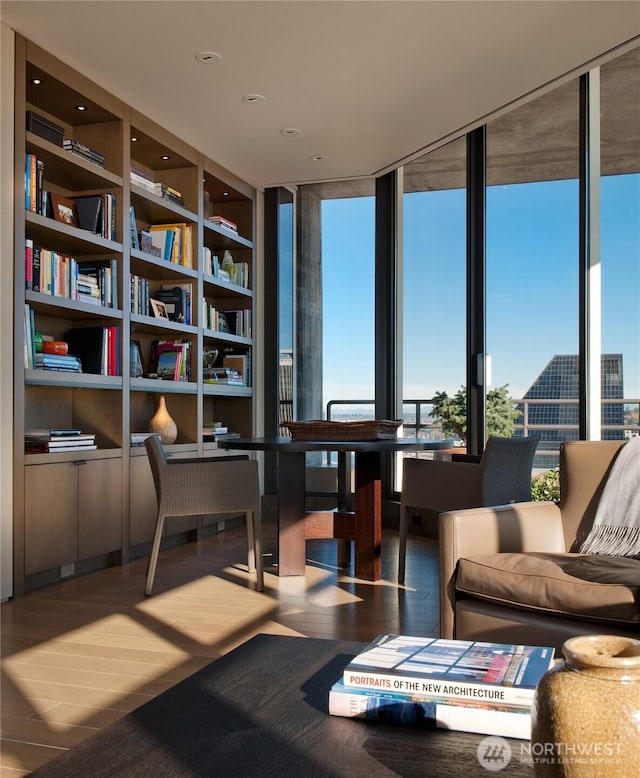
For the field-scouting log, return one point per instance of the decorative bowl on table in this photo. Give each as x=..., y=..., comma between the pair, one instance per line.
x=373, y=429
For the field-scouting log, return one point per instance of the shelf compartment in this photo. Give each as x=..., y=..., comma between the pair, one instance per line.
x=76, y=173
x=233, y=410
x=219, y=238
x=86, y=405
x=181, y=407
x=152, y=209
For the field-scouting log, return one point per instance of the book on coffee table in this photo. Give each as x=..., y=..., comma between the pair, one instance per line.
x=485, y=719
x=456, y=670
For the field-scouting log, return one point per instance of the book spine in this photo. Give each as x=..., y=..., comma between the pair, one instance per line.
x=36, y=278
x=450, y=690
x=28, y=263
x=463, y=718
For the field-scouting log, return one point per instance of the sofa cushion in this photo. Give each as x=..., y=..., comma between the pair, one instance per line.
x=597, y=587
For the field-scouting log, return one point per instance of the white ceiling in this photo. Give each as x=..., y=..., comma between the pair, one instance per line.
x=370, y=83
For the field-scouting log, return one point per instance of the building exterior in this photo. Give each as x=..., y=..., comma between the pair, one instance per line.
x=557, y=421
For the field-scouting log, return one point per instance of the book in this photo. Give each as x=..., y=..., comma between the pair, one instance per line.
x=89, y=210
x=89, y=344
x=498, y=673
x=372, y=705
x=81, y=447
x=168, y=366
x=53, y=433
x=162, y=238
x=138, y=438
x=133, y=225
x=78, y=442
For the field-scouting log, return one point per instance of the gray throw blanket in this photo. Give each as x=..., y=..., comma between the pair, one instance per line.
x=616, y=527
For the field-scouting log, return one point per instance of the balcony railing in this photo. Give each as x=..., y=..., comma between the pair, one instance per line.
x=418, y=421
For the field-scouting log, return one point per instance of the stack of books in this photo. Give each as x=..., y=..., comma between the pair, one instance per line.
x=227, y=224
x=169, y=193
x=142, y=180
x=80, y=150
x=57, y=441
x=138, y=438
x=223, y=375
x=68, y=362
x=486, y=688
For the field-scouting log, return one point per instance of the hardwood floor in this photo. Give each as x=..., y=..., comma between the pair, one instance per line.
x=79, y=655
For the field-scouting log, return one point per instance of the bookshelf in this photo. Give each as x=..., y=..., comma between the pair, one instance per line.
x=155, y=195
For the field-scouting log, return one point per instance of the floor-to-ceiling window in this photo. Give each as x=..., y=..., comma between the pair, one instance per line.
x=434, y=284
x=532, y=270
x=348, y=256
x=620, y=243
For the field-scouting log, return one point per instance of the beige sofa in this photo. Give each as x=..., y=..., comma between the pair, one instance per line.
x=511, y=573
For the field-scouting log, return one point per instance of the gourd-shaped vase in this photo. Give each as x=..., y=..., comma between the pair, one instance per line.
x=586, y=711
x=162, y=423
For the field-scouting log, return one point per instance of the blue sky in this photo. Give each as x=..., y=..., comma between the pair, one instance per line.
x=532, y=280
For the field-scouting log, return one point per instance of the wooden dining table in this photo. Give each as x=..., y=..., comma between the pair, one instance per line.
x=362, y=524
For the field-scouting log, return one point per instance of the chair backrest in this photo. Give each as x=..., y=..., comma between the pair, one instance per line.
x=584, y=469
x=506, y=469
x=157, y=460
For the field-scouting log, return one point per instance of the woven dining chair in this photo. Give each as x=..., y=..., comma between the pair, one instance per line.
x=195, y=487
x=500, y=476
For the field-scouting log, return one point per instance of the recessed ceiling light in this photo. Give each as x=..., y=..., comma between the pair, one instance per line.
x=36, y=81
x=134, y=139
x=81, y=107
x=208, y=57
x=165, y=156
x=318, y=157
x=225, y=194
x=253, y=98
x=290, y=131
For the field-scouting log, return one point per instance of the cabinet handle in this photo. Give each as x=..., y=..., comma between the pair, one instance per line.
x=78, y=462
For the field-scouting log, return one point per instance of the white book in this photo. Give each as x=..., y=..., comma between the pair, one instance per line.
x=458, y=670
x=403, y=709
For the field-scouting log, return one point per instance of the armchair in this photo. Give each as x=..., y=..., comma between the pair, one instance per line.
x=502, y=475
x=513, y=573
x=193, y=487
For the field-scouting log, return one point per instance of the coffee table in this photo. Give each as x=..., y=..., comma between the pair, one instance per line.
x=362, y=525
x=261, y=711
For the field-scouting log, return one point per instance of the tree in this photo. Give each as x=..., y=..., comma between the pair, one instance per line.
x=452, y=412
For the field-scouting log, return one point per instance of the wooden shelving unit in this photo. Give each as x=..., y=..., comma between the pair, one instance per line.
x=85, y=510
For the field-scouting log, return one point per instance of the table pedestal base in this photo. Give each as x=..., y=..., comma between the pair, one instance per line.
x=363, y=525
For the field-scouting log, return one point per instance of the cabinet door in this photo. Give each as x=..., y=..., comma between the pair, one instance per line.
x=51, y=516
x=99, y=507
x=143, y=505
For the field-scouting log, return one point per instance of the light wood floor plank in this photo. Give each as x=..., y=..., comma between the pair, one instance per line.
x=78, y=655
